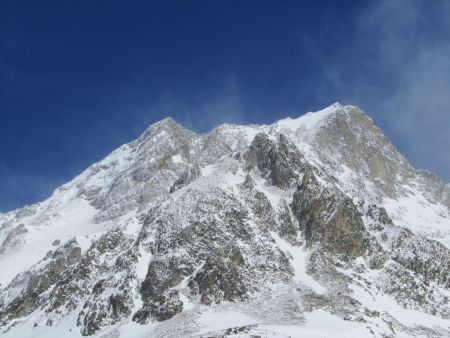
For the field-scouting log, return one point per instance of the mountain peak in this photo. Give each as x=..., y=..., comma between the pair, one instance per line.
x=166, y=122
x=176, y=222
x=166, y=125
x=337, y=104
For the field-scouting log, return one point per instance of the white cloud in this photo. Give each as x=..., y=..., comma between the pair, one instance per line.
x=405, y=46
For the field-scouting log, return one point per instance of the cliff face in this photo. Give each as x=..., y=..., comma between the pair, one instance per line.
x=245, y=230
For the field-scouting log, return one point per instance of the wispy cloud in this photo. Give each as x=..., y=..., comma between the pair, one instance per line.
x=418, y=109
x=404, y=48
x=200, y=112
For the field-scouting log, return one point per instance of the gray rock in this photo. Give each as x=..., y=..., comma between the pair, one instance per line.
x=328, y=218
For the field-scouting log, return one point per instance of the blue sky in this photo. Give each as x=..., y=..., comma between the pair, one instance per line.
x=80, y=78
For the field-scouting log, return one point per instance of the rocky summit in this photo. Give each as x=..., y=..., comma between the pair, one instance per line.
x=308, y=227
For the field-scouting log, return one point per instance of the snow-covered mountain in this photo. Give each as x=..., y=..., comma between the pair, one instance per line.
x=309, y=227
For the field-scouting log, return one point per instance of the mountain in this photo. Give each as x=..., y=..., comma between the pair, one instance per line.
x=315, y=226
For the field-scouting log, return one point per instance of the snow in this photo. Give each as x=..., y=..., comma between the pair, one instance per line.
x=273, y=194
x=222, y=174
x=71, y=219
x=143, y=264
x=310, y=120
x=238, y=137
x=177, y=159
x=299, y=258
x=416, y=213
x=66, y=328
x=214, y=321
x=187, y=304
x=319, y=324
x=131, y=223
x=208, y=170
x=385, y=303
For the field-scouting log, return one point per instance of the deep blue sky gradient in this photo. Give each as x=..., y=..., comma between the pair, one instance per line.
x=80, y=78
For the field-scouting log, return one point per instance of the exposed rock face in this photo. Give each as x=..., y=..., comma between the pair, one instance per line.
x=147, y=178
x=221, y=279
x=270, y=223
x=427, y=258
x=35, y=283
x=160, y=302
x=280, y=162
x=353, y=139
x=433, y=187
x=329, y=219
x=446, y=195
